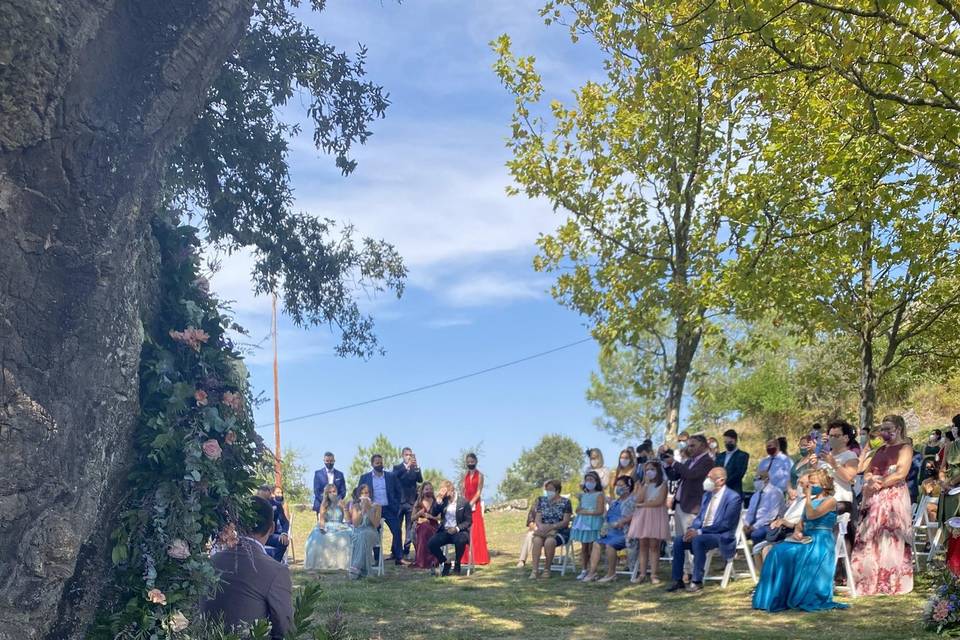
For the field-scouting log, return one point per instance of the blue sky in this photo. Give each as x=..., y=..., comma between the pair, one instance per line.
x=431, y=180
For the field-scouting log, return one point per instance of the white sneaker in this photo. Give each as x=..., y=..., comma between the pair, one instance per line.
x=583, y=574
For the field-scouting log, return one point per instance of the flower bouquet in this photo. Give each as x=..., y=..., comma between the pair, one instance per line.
x=941, y=613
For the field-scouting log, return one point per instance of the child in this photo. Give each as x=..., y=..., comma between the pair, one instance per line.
x=650, y=524
x=589, y=520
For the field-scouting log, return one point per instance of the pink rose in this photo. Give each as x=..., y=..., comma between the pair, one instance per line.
x=178, y=550
x=178, y=622
x=201, y=397
x=191, y=337
x=230, y=438
x=156, y=596
x=211, y=449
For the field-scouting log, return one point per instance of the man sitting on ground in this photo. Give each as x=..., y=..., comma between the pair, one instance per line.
x=252, y=585
x=715, y=527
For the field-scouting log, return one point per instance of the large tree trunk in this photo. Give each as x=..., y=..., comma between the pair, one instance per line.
x=93, y=94
x=685, y=348
x=868, y=371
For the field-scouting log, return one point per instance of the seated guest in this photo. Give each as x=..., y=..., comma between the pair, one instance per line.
x=455, y=519
x=252, y=585
x=798, y=574
x=325, y=476
x=331, y=541
x=766, y=505
x=784, y=526
x=527, y=544
x=613, y=533
x=365, y=515
x=553, y=526
x=280, y=538
x=426, y=526
x=715, y=527
x=650, y=524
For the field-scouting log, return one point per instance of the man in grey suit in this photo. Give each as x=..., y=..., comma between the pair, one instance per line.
x=253, y=586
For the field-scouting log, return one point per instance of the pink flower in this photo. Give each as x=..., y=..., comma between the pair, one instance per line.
x=201, y=397
x=211, y=449
x=178, y=550
x=233, y=400
x=230, y=438
x=191, y=337
x=156, y=596
x=941, y=611
x=178, y=622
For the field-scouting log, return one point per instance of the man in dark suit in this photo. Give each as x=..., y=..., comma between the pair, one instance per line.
x=279, y=540
x=325, y=476
x=252, y=585
x=456, y=518
x=714, y=528
x=691, y=473
x=385, y=491
x=734, y=461
x=409, y=476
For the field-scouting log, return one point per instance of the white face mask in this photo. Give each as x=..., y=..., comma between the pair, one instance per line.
x=624, y=462
x=651, y=474
x=549, y=493
x=595, y=463
x=709, y=485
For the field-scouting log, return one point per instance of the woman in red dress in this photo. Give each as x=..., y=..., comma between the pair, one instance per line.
x=472, y=489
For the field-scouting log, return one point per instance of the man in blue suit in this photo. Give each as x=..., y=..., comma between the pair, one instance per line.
x=279, y=540
x=715, y=527
x=385, y=491
x=325, y=476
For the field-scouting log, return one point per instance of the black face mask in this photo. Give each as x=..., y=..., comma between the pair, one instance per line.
x=729, y=446
x=278, y=499
x=329, y=465
x=378, y=468
x=472, y=466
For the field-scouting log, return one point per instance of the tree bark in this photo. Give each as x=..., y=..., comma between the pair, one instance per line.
x=93, y=95
x=687, y=342
x=868, y=371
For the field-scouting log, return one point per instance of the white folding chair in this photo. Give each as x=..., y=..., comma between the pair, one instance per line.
x=843, y=521
x=450, y=551
x=379, y=554
x=728, y=571
x=562, y=558
x=925, y=529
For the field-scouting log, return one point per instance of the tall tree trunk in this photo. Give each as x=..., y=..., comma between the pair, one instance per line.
x=868, y=372
x=95, y=94
x=685, y=348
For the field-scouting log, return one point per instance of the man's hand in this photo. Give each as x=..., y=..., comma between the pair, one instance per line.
x=689, y=535
x=284, y=539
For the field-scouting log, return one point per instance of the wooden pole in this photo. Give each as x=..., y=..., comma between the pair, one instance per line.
x=277, y=473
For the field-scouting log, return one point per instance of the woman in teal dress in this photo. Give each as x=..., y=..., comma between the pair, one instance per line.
x=589, y=520
x=331, y=542
x=798, y=572
x=365, y=516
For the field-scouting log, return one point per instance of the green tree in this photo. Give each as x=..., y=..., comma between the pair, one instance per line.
x=361, y=461
x=294, y=473
x=632, y=406
x=555, y=456
x=641, y=164
x=459, y=464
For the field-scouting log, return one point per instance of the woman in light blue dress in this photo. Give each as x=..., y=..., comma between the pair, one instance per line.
x=365, y=516
x=331, y=542
x=586, y=526
x=798, y=572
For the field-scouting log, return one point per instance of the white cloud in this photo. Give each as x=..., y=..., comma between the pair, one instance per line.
x=447, y=323
x=486, y=289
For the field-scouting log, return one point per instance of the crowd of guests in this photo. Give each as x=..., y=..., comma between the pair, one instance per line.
x=688, y=500
x=424, y=521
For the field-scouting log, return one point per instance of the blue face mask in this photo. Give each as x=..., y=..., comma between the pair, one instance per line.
x=589, y=485
x=815, y=491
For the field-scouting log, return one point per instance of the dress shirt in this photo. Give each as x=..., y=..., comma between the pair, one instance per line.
x=713, y=505
x=794, y=512
x=779, y=469
x=689, y=464
x=258, y=543
x=765, y=506
x=727, y=458
x=450, y=514
x=380, y=489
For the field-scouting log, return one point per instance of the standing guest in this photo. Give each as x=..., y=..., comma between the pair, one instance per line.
x=800, y=575
x=689, y=496
x=323, y=477
x=714, y=528
x=385, y=491
x=365, y=515
x=252, y=586
x=426, y=526
x=777, y=464
x=527, y=545
x=650, y=524
x=955, y=426
x=816, y=435
x=473, y=491
x=586, y=526
x=948, y=439
x=331, y=541
x=279, y=540
x=644, y=455
x=595, y=457
x=409, y=477
x=864, y=438
x=766, y=505
x=455, y=517
x=949, y=505
x=807, y=461
x=553, y=526
x=734, y=461
x=613, y=534
x=713, y=447
x=843, y=468
x=934, y=443
x=626, y=467
x=881, y=557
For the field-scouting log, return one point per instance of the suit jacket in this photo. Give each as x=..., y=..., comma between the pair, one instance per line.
x=464, y=512
x=691, y=476
x=392, y=508
x=725, y=521
x=253, y=586
x=408, y=479
x=736, y=468
x=281, y=523
x=320, y=483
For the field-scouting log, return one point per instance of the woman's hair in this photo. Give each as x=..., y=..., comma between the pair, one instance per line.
x=938, y=433
x=631, y=455
x=359, y=491
x=627, y=480
x=956, y=421
x=845, y=428
x=446, y=484
x=327, y=500
x=653, y=465
x=821, y=476
x=898, y=422
x=782, y=443
x=949, y=436
x=471, y=456
x=422, y=491
x=596, y=478
x=553, y=484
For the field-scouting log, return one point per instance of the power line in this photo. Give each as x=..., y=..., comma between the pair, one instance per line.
x=432, y=385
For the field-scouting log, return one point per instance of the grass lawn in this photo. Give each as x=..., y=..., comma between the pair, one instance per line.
x=499, y=601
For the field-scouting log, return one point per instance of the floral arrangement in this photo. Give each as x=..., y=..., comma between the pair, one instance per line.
x=941, y=613
x=195, y=455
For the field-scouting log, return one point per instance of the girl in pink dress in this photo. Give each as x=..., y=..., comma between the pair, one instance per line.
x=650, y=524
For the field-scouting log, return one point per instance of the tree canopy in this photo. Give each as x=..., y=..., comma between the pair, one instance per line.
x=554, y=457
